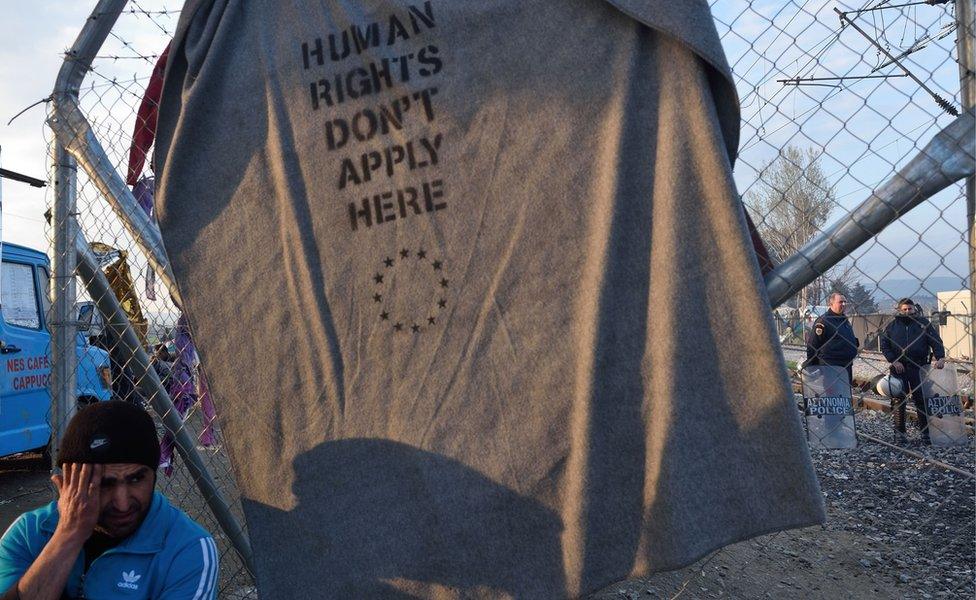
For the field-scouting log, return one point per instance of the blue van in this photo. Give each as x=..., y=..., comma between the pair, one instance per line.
x=25, y=353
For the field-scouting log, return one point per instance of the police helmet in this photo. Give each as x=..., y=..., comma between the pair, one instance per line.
x=891, y=386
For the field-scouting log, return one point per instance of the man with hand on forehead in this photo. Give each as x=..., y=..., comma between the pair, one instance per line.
x=109, y=534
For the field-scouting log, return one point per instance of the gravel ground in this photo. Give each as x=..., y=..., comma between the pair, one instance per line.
x=919, y=515
x=898, y=527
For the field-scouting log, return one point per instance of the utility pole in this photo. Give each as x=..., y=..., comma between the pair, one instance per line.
x=965, y=32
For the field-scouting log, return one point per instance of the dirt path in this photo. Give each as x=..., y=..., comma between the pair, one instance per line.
x=812, y=563
x=24, y=485
x=897, y=527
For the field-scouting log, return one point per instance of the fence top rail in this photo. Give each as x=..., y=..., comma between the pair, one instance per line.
x=78, y=60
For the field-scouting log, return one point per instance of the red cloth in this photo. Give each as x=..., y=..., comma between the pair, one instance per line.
x=145, y=130
x=765, y=261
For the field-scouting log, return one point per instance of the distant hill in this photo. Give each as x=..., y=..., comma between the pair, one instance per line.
x=922, y=291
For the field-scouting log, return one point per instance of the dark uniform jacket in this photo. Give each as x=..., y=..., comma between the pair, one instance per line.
x=909, y=339
x=831, y=341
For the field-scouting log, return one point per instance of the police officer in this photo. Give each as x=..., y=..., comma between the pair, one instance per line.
x=907, y=343
x=832, y=341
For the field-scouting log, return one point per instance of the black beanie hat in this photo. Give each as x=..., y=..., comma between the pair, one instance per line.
x=110, y=432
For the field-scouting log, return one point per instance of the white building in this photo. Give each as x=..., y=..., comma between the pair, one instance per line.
x=956, y=333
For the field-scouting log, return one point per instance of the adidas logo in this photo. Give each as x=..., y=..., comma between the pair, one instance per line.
x=129, y=580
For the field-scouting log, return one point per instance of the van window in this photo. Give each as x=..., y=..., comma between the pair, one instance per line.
x=18, y=296
x=45, y=286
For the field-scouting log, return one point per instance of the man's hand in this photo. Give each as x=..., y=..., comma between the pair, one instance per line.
x=79, y=492
x=940, y=363
x=899, y=368
x=79, y=504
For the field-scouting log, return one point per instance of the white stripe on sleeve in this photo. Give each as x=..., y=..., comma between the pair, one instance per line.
x=211, y=592
x=205, y=571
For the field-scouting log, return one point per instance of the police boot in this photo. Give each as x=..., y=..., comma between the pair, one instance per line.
x=926, y=440
x=898, y=409
x=923, y=425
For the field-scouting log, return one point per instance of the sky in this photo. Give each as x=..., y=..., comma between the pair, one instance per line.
x=864, y=129
x=34, y=36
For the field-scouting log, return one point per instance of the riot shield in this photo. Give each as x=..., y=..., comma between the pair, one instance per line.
x=827, y=407
x=942, y=406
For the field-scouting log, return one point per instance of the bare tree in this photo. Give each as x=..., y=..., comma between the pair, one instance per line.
x=791, y=203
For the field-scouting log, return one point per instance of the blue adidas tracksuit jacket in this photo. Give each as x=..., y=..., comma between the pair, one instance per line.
x=169, y=557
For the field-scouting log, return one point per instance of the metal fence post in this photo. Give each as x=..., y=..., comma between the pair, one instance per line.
x=965, y=33
x=118, y=322
x=946, y=159
x=74, y=131
x=76, y=146
x=62, y=318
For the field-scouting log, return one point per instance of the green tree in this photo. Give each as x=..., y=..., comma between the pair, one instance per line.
x=859, y=299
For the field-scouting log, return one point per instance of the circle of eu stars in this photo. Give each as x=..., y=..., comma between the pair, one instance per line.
x=427, y=312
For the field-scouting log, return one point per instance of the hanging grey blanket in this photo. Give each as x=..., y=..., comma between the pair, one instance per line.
x=475, y=292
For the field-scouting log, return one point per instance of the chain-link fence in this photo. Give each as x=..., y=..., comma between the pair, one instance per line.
x=96, y=110
x=837, y=99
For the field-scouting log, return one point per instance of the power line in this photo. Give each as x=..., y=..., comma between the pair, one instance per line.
x=921, y=43
x=892, y=6
x=10, y=213
x=942, y=102
x=804, y=80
